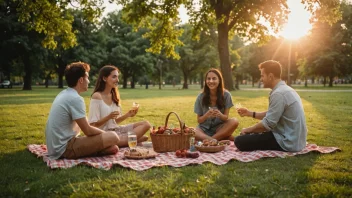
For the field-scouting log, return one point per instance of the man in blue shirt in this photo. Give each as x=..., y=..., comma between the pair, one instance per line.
x=283, y=126
x=67, y=118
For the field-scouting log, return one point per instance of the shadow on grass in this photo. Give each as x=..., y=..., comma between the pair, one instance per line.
x=25, y=175
x=328, y=121
x=270, y=177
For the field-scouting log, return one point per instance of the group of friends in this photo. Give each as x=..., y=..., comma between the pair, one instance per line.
x=282, y=127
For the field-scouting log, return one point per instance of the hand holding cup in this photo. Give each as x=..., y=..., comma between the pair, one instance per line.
x=114, y=114
x=214, y=112
x=242, y=111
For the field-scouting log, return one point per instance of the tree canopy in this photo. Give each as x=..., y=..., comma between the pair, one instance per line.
x=229, y=16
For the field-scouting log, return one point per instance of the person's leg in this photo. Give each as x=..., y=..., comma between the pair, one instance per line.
x=110, y=143
x=109, y=151
x=251, y=142
x=226, y=130
x=140, y=128
x=91, y=145
x=201, y=135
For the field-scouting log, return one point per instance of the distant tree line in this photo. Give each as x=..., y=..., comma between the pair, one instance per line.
x=38, y=44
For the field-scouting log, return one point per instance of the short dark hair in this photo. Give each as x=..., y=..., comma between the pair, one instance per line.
x=74, y=71
x=271, y=66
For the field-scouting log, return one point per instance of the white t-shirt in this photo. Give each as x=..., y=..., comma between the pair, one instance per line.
x=98, y=109
x=67, y=107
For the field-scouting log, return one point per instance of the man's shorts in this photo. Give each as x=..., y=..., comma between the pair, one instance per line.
x=83, y=146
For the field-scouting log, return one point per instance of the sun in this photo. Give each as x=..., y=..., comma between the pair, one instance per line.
x=298, y=24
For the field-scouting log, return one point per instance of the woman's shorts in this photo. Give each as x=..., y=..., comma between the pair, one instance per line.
x=122, y=130
x=210, y=132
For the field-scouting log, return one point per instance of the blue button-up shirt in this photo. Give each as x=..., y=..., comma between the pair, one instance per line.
x=285, y=118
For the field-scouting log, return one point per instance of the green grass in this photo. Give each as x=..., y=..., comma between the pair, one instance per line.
x=23, y=116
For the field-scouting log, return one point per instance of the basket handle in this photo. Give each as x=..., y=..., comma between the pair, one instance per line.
x=182, y=124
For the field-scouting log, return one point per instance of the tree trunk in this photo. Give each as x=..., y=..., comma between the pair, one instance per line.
x=28, y=75
x=201, y=81
x=61, y=72
x=133, y=82
x=47, y=78
x=185, y=79
x=125, y=79
x=224, y=54
x=160, y=82
x=331, y=79
x=238, y=79
x=324, y=82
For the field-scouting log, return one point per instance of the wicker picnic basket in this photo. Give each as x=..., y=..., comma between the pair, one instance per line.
x=171, y=142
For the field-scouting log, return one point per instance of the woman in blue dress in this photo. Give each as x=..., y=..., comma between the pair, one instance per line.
x=212, y=107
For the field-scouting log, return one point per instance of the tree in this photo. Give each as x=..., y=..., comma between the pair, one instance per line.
x=230, y=17
x=90, y=46
x=32, y=25
x=126, y=48
x=21, y=49
x=52, y=19
x=195, y=55
x=331, y=54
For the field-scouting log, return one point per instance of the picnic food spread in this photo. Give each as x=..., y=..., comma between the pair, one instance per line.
x=184, y=153
x=169, y=131
x=139, y=153
x=168, y=139
x=212, y=145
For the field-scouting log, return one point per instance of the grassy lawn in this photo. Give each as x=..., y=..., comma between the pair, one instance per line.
x=23, y=116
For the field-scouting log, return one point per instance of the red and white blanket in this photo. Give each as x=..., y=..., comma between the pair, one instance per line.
x=170, y=159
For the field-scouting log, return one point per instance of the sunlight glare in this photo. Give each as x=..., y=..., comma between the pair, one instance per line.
x=298, y=21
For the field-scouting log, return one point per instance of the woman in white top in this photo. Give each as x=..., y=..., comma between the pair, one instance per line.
x=105, y=108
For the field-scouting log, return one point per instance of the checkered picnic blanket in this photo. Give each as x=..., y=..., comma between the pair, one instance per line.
x=170, y=159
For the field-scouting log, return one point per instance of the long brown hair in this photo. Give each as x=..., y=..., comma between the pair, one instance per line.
x=220, y=100
x=100, y=84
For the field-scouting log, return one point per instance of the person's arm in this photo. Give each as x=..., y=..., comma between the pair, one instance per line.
x=271, y=118
x=203, y=118
x=130, y=113
x=87, y=129
x=228, y=104
x=105, y=119
x=257, y=128
x=223, y=116
x=245, y=112
x=92, y=110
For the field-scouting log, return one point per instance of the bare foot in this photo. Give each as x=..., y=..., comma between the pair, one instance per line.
x=109, y=151
x=231, y=138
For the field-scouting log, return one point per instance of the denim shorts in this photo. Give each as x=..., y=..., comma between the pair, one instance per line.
x=210, y=132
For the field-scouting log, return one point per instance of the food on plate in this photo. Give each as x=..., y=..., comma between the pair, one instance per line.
x=210, y=142
x=224, y=142
x=137, y=152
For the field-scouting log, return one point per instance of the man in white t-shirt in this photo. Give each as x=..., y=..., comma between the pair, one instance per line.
x=68, y=116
